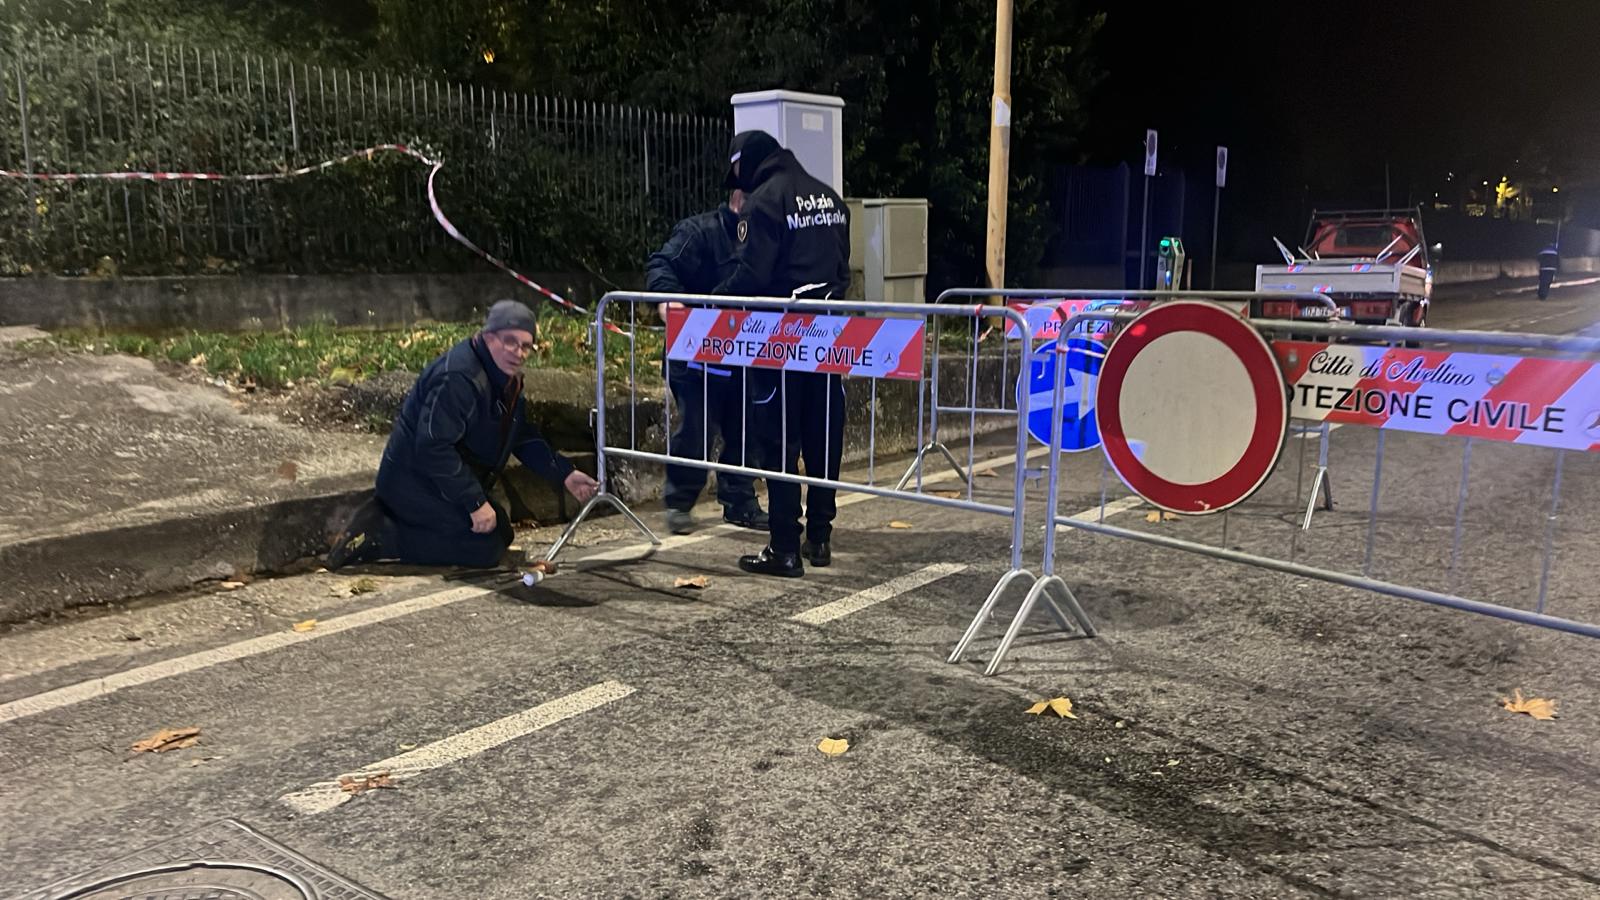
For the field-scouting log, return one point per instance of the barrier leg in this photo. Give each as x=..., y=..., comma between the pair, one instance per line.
x=916, y=464
x=1318, y=487
x=1323, y=484
x=610, y=500
x=1043, y=588
x=987, y=610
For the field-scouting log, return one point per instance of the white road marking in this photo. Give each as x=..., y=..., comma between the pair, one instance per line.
x=872, y=596
x=1310, y=433
x=326, y=795
x=1092, y=514
x=1581, y=282
x=99, y=687
x=635, y=551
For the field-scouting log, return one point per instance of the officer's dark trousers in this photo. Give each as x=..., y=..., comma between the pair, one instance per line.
x=813, y=407
x=424, y=535
x=702, y=406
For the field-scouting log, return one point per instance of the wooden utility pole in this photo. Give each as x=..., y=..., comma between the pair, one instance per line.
x=999, y=147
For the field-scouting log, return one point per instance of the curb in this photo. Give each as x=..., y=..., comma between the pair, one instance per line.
x=47, y=575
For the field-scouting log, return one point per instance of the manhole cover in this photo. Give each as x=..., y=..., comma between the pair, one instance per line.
x=225, y=860
x=197, y=881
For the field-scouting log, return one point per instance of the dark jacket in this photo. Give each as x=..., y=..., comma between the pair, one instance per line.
x=794, y=230
x=698, y=255
x=448, y=439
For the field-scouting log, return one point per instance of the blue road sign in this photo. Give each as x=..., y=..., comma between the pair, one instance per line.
x=1036, y=390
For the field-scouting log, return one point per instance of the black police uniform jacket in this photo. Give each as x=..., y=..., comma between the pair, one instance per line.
x=455, y=431
x=793, y=231
x=698, y=255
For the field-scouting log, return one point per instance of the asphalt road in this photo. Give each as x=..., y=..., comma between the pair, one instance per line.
x=607, y=734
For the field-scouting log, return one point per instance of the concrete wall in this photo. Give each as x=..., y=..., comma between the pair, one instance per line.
x=254, y=302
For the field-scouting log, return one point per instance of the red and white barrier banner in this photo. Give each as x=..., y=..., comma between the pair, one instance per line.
x=798, y=342
x=1046, y=317
x=1524, y=400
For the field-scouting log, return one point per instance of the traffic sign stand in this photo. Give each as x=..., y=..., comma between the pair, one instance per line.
x=1192, y=407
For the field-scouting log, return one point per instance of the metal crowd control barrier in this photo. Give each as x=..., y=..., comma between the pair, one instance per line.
x=1356, y=338
x=1049, y=587
x=607, y=449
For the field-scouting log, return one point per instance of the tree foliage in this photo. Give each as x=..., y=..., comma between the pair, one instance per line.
x=916, y=77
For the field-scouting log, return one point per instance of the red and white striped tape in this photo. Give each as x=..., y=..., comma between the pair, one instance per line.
x=837, y=345
x=433, y=202
x=1537, y=401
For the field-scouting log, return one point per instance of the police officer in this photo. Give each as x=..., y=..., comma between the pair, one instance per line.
x=1549, y=264
x=793, y=241
x=697, y=257
x=459, y=425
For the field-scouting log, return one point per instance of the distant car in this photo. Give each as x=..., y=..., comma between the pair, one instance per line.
x=1374, y=264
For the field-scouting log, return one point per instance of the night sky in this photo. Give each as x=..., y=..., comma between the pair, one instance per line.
x=1314, y=98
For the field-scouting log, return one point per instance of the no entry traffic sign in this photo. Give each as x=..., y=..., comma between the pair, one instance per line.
x=1192, y=407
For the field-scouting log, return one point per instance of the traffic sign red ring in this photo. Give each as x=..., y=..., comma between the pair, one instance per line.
x=1271, y=426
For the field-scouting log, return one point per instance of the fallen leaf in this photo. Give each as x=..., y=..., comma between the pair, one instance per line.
x=899, y=524
x=1061, y=706
x=949, y=495
x=232, y=585
x=168, y=739
x=1536, y=707
x=193, y=763
x=305, y=626
x=1171, y=763
x=833, y=746
x=364, y=586
x=198, y=360
x=1161, y=517
x=359, y=784
x=288, y=471
x=698, y=582
x=343, y=375
x=545, y=566
x=407, y=746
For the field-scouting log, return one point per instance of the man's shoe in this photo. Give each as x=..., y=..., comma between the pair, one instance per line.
x=359, y=541
x=771, y=562
x=680, y=521
x=750, y=516
x=819, y=554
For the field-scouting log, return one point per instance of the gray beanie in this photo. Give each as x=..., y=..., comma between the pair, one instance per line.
x=510, y=315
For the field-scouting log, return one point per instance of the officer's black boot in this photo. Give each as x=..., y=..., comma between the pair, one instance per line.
x=771, y=562
x=819, y=554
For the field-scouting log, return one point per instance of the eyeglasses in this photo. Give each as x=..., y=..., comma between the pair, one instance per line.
x=512, y=345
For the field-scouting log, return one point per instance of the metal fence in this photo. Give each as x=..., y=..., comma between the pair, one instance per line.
x=1469, y=522
x=894, y=334
x=551, y=183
